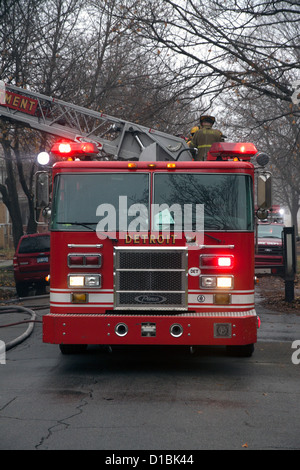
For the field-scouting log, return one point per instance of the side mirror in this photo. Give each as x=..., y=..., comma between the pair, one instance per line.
x=264, y=190
x=262, y=214
x=41, y=193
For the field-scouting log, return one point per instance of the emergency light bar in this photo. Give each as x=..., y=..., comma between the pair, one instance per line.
x=228, y=150
x=74, y=149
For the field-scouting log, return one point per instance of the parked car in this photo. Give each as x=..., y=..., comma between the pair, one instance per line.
x=31, y=263
x=269, y=253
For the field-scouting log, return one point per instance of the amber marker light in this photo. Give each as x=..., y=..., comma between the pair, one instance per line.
x=79, y=298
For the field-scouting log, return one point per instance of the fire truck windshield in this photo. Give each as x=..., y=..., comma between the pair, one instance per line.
x=270, y=231
x=226, y=198
x=80, y=200
x=121, y=201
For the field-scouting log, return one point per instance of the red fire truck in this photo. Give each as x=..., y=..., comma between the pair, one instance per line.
x=148, y=247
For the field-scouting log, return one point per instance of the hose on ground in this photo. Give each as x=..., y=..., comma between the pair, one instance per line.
x=29, y=330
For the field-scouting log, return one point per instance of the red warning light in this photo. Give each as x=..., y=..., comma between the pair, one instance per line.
x=72, y=150
x=214, y=261
x=229, y=150
x=64, y=148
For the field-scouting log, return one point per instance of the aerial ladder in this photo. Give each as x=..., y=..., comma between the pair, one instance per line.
x=116, y=139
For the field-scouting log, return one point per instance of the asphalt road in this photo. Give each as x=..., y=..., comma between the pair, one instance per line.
x=151, y=399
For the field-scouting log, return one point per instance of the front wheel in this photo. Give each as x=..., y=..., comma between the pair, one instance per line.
x=241, y=351
x=72, y=348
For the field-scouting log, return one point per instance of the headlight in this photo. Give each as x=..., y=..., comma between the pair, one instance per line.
x=208, y=282
x=92, y=281
x=216, y=282
x=76, y=281
x=84, y=280
x=225, y=282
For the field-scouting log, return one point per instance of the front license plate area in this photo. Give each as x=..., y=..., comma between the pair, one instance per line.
x=148, y=329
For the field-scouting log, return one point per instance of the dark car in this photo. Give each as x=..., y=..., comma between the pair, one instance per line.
x=269, y=250
x=32, y=263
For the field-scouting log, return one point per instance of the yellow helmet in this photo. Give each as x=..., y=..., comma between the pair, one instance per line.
x=194, y=129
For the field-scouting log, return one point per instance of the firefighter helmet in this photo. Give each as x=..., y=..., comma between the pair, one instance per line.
x=194, y=129
x=210, y=119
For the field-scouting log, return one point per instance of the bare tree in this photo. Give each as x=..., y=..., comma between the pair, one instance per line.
x=220, y=45
x=22, y=61
x=78, y=50
x=243, y=59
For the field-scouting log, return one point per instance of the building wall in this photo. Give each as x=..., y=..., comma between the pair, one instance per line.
x=6, y=239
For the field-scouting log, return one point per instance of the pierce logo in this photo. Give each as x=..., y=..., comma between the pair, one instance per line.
x=150, y=299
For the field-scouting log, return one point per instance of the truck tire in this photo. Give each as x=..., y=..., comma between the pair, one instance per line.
x=241, y=351
x=72, y=348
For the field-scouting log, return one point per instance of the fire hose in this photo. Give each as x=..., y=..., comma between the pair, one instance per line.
x=29, y=330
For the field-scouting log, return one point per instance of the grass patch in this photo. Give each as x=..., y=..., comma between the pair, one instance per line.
x=7, y=253
x=7, y=277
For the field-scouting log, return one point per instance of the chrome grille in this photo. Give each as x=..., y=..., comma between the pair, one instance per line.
x=150, y=278
x=270, y=250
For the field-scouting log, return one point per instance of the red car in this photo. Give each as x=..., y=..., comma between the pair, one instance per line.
x=31, y=263
x=269, y=253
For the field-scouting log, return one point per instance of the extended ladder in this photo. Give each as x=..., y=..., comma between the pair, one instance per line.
x=114, y=137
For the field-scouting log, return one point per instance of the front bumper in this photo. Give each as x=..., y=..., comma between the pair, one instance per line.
x=238, y=328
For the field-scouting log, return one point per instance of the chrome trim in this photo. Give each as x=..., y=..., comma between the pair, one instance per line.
x=231, y=247
x=79, y=245
x=176, y=330
x=121, y=329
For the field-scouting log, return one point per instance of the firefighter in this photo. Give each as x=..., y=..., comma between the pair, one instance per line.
x=192, y=132
x=205, y=137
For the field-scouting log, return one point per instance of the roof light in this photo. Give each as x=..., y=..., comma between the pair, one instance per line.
x=171, y=166
x=132, y=165
x=64, y=148
x=229, y=150
x=74, y=149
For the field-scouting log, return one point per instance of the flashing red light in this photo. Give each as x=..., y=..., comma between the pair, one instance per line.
x=228, y=151
x=74, y=149
x=213, y=261
x=225, y=261
x=64, y=148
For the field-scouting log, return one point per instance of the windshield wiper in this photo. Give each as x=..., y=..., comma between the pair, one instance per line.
x=87, y=225
x=82, y=224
